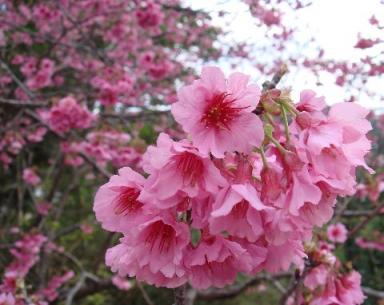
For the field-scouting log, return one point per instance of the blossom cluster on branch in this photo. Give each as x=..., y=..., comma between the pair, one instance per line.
x=242, y=193
x=242, y=184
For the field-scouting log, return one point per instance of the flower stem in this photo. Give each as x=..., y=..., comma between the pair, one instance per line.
x=285, y=121
x=180, y=295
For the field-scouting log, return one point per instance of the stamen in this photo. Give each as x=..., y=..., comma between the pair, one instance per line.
x=126, y=201
x=190, y=166
x=162, y=235
x=220, y=112
x=240, y=209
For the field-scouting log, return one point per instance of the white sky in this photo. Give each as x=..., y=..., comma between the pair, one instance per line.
x=335, y=23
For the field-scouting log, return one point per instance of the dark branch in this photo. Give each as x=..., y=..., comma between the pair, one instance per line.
x=235, y=290
x=268, y=85
x=376, y=212
x=373, y=292
x=18, y=103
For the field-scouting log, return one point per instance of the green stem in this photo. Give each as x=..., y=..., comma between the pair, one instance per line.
x=262, y=154
x=278, y=145
x=285, y=121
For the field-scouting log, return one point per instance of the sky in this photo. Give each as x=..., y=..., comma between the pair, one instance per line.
x=335, y=23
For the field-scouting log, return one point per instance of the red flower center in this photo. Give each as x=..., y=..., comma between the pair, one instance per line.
x=126, y=201
x=190, y=166
x=161, y=236
x=220, y=111
x=240, y=209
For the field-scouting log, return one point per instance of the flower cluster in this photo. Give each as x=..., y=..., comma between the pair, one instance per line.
x=68, y=114
x=26, y=254
x=12, y=141
x=337, y=233
x=112, y=84
x=104, y=146
x=243, y=194
x=30, y=177
x=328, y=282
x=375, y=242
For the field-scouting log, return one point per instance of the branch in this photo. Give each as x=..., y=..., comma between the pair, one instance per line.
x=99, y=169
x=19, y=103
x=362, y=224
x=181, y=295
x=4, y=65
x=268, y=85
x=72, y=293
x=135, y=116
x=14, y=122
x=94, y=287
x=276, y=283
x=373, y=292
x=102, y=171
x=144, y=294
x=296, y=283
x=235, y=290
x=359, y=213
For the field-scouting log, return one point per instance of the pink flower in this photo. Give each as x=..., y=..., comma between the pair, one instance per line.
x=43, y=77
x=108, y=96
x=270, y=17
x=7, y=299
x=146, y=59
x=281, y=256
x=25, y=253
x=329, y=285
x=364, y=43
x=37, y=135
x=349, y=290
x=302, y=191
x=337, y=233
x=218, y=113
x=150, y=15
x=334, y=145
x=86, y=228
x=371, y=244
x=236, y=211
x=116, y=203
x=215, y=262
x=355, y=144
x=43, y=208
x=51, y=291
x=309, y=102
x=154, y=254
x=316, y=277
x=121, y=283
x=177, y=167
x=271, y=184
x=30, y=177
x=68, y=114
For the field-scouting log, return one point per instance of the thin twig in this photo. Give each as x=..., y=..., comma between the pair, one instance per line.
x=145, y=295
x=276, y=284
x=72, y=293
x=19, y=103
x=296, y=284
x=180, y=295
x=268, y=85
x=373, y=292
x=27, y=91
x=359, y=213
x=362, y=224
x=102, y=171
x=235, y=290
